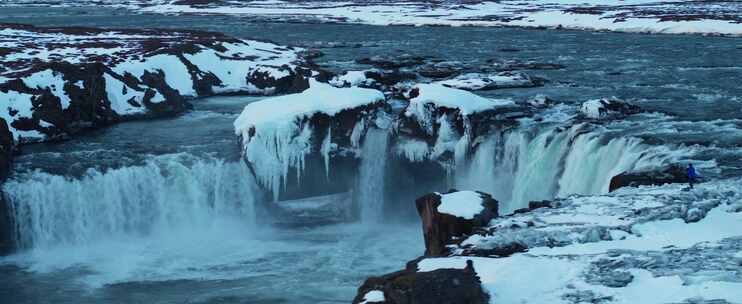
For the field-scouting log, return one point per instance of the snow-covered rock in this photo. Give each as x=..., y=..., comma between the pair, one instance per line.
x=449, y=216
x=279, y=133
x=652, y=244
x=502, y=80
x=600, y=108
x=697, y=17
x=57, y=81
x=449, y=119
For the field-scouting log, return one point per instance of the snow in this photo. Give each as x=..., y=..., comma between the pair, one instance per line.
x=120, y=101
x=373, y=296
x=440, y=96
x=176, y=73
x=18, y=105
x=658, y=235
x=477, y=81
x=622, y=16
x=649, y=254
x=49, y=80
x=463, y=204
x=593, y=108
x=351, y=78
x=130, y=52
x=275, y=135
x=319, y=98
x=517, y=279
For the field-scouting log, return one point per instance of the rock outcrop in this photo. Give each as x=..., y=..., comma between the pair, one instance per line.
x=447, y=222
x=442, y=286
x=318, y=131
x=667, y=175
x=60, y=81
x=608, y=107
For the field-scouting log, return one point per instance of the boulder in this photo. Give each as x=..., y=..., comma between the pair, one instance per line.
x=501, y=80
x=661, y=176
x=451, y=217
x=608, y=107
x=442, y=286
x=393, y=62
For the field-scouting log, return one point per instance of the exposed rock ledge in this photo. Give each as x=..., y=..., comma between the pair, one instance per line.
x=614, y=248
x=59, y=81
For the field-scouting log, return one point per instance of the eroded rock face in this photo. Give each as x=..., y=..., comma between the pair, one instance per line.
x=59, y=81
x=439, y=286
x=442, y=229
x=668, y=175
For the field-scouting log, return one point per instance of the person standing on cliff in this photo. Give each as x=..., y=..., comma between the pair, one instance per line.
x=692, y=175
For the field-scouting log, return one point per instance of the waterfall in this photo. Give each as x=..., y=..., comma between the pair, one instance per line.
x=531, y=163
x=169, y=194
x=371, y=176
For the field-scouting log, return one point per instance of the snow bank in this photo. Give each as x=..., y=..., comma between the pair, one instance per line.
x=276, y=135
x=463, y=204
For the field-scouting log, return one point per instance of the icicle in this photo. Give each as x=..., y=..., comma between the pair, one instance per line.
x=357, y=133
x=325, y=150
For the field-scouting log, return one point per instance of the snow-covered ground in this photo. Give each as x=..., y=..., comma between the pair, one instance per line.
x=699, y=17
x=637, y=245
x=139, y=71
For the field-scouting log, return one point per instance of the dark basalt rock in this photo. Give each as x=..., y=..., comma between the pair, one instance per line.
x=441, y=229
x=442, y=286
x=514, y=65
x=667, y=175
x=388, y=62
x=295, y=82
x=6, y=153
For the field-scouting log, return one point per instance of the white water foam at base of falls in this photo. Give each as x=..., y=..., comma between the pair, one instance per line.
x=176, y=214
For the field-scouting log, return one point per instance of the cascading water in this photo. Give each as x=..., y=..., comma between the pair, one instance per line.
x=169, y=194
x=371, y=176
x=523, y=165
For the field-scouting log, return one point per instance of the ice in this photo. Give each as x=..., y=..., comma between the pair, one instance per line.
x=413, y=149
x=276, y=136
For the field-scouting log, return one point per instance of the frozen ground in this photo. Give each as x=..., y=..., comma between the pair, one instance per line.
x=646, y=245
x=698, y=17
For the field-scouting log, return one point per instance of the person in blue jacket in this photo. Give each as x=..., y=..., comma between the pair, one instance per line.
x=692, y=175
